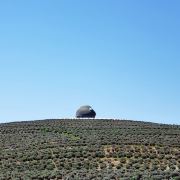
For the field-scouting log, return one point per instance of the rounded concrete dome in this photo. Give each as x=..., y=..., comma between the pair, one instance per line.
x=85, y=112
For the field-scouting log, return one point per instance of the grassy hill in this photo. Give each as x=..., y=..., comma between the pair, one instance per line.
x=89, y=149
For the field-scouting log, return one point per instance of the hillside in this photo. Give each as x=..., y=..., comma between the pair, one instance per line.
x=89, y=149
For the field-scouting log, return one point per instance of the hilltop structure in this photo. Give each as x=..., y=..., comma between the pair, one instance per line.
x=85, y=112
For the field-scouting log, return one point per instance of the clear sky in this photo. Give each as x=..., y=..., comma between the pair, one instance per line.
x=122, y=57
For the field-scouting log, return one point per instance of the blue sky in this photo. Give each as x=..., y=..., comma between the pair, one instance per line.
x=121, y=57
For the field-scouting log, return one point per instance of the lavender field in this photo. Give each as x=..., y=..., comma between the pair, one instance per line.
x=89, y=149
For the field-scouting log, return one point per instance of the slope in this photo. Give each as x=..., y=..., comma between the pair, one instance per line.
x=89, y=149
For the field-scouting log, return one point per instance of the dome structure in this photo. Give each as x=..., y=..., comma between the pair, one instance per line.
x=85, y=112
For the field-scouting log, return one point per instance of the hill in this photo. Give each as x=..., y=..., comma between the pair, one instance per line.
x=89, y=149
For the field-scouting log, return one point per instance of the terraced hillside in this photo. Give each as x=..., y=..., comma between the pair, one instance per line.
x=89, y=149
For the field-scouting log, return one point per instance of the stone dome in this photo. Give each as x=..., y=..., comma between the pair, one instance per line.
x=85, y=112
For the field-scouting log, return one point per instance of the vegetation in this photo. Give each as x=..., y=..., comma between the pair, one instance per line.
x=89, y=149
